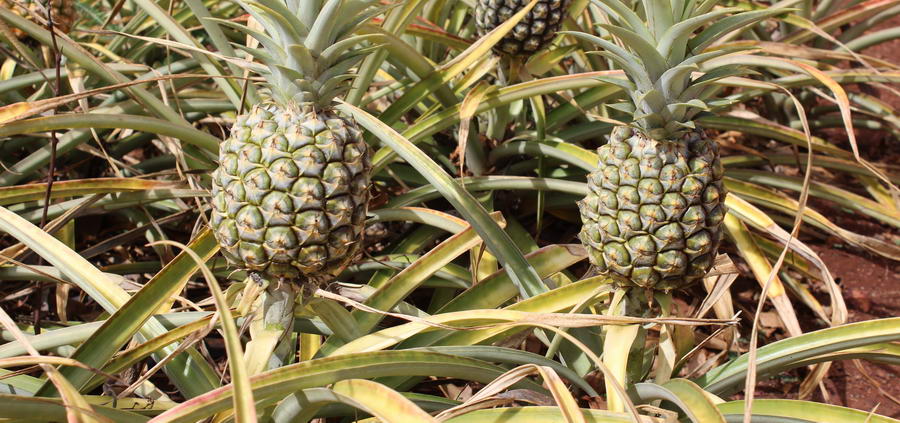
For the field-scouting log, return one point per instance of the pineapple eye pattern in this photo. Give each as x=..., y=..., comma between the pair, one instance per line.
x=653, y=215
x=533, y=33
x=290, y=198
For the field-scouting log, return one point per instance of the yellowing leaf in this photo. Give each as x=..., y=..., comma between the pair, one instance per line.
x=384, y=403
x=466, y=113
x=14, y=112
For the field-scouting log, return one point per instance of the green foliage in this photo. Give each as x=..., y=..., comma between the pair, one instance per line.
x=474, y=299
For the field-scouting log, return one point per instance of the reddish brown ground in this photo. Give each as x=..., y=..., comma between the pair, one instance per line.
x=888, y=51
x=871, y=285
x=871, y=288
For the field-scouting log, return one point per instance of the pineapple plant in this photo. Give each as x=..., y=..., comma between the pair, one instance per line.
x=653, y=215
x=533, y=33
x=290, y=194
x=63, y=12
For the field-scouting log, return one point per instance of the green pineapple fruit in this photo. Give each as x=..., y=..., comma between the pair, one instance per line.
x=290, y=194
x=653, y=215
x=533, y=33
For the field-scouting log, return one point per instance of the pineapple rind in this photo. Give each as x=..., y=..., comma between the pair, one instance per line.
x=290, y=195
x=655, y=208
x=531, y=34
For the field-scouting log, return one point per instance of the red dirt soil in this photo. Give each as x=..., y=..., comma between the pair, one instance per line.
x=871, y=288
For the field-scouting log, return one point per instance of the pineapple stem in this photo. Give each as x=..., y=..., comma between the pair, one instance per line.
x=623, y=345
x=667, y=354
x=271, y=330
x=499, y=120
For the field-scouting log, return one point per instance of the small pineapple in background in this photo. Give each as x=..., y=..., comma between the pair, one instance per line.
x=290, y=194
x=653, y=215
x=533, y=33
x=63, y=12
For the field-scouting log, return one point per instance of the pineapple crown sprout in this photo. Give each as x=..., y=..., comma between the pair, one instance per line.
x=661, y=51
x=308, y=47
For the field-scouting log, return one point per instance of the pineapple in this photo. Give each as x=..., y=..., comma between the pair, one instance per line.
x=290, y=194
x=63, y=12
x=653, y=214
x=533, y=33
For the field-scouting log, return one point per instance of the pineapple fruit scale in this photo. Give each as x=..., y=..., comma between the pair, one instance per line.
x=291, y=191
x=655, y=208
x=531, y=34
x=290, y=195
x=653, y=215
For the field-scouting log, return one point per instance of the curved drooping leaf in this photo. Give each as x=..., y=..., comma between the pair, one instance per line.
x=53, y=410
x=276, y=384
x=686, y=395
x=191, y=376
x=497, y=241
x=802, y=411
x=542, y=415
x=787, y=353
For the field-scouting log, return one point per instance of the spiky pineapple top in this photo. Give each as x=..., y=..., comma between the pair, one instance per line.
x=308, y=47
x=660, y=54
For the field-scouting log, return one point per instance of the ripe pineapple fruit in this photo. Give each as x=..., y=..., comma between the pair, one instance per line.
x=533, y=33
x=63, y=12
x=653, y=215
x=290, y=194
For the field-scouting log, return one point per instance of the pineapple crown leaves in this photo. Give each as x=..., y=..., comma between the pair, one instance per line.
x=308, y=46
x=661, y=47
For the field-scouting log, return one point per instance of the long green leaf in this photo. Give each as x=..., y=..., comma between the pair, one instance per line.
x=53, y=410
x=542, y=415
x=78, y=187
x=497, y=241
x=494, y=182
x=320, y=372
x=804, y=411
x=184, y=132
x=512, y=356
x=785, y=354
x=386, y=404
x=131, y=316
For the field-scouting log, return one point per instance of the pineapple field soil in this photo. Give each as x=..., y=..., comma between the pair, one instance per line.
x=888, y=51
x=870, y=284
x=871, y=287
